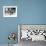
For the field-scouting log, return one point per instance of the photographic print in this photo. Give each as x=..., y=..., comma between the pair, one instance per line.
x=29, y=34
x=9, y=11
x=32, y=32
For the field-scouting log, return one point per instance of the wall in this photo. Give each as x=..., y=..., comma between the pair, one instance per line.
x=7, y=25
x=29, y=12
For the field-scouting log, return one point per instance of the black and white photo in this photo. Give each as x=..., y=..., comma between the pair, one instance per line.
x=9, y=11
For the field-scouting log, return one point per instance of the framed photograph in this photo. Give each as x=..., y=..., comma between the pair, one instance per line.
x=9, y=11
x=31, y=32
